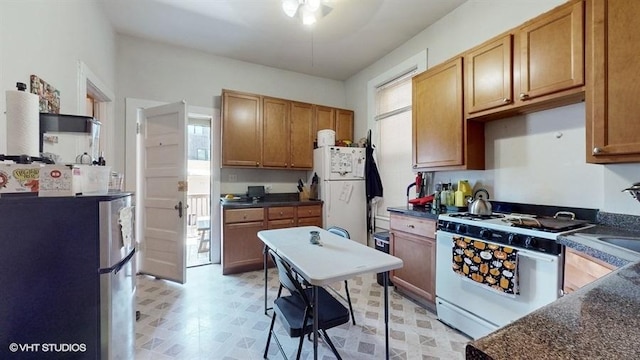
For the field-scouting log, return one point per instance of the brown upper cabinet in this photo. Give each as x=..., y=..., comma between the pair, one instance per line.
x=276, y=135
x=490, y=75
x=344, y=125
x=339, y=120
x=537, y=66
x=241, y=129
x=613, y=78
x=302, y=135
x=266, y=132
x=442, y=138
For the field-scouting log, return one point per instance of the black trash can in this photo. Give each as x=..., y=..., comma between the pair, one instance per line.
x=381, y=240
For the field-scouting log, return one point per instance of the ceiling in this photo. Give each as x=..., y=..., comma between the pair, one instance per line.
x=352, y=36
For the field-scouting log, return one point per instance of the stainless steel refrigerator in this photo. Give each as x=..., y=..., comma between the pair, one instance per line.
x=67, y=277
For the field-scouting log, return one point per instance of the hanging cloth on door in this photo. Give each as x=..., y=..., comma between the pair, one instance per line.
x=491, y=265
x=373, y=183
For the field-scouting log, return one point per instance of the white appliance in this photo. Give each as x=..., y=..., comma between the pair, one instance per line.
x=477, y=309
x=342, y=189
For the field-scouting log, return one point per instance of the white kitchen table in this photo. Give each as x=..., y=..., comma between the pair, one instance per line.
x=335, y=259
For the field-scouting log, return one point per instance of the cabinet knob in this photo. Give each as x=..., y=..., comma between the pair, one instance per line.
x=524, y=96
x=505, y=100
x=410, y=226
x=597, y=150
x=280, y=212
x=257, y=163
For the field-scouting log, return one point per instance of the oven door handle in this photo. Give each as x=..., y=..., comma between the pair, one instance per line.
x=534, y=257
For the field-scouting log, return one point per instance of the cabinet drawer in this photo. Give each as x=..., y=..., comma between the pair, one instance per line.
x=310, y=221
x=281, y=212
x=243, y=215
x=309, y=211
x=412, y=225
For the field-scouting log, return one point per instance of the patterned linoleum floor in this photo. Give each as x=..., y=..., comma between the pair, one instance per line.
x=222, y=317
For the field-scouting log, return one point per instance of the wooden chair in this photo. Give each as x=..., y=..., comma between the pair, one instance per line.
x=345, y=234
x=295, y=311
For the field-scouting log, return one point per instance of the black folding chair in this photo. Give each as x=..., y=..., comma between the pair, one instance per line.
x=295, y=311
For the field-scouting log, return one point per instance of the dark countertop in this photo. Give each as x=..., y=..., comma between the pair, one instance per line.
x=586, y=241
x=417, y=211
x=270, y=200
x=598, y=321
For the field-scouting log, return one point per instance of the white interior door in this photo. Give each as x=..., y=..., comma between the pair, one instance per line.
x=164, y=191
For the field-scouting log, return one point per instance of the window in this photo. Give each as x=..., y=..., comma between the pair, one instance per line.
x=199, y=141
x=393, y=120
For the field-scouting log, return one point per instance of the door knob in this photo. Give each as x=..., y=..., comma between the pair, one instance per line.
x=179, y=208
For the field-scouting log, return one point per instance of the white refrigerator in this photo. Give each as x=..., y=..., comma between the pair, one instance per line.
x=341, y=187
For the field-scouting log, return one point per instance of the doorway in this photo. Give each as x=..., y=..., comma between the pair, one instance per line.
x=198, y=242
x=209, y=121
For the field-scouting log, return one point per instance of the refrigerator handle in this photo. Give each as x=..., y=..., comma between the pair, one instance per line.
x=117, y=267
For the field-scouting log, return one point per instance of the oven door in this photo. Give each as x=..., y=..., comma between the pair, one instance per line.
x=476, y=309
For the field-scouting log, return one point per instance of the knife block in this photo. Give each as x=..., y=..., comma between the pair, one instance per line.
x=304, y=195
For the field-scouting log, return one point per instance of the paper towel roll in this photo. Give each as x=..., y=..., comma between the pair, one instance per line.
x=23, y=123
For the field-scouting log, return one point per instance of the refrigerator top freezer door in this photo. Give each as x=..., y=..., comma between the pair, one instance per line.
x=339, y=163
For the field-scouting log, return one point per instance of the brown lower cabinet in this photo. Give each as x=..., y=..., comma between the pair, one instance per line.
x=412, y=239
x=581, y=269
x=242, y=250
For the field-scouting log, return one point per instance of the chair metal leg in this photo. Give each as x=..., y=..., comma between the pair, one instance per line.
x=328, y=341
x=346, y=289
x=273, y=321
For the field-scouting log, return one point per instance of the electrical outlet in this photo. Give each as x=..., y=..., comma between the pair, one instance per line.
x=233, y=177
x=267, y=188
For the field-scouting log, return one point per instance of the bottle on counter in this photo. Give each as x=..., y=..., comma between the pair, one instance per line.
x=435, y=207
x=444, y=195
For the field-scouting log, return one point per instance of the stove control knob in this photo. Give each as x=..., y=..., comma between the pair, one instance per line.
x=486, y=234
x=462, y=229
x=530, y=242
x=513, y=239
x=451, y=226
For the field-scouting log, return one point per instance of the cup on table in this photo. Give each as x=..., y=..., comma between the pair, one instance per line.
x=315, y=237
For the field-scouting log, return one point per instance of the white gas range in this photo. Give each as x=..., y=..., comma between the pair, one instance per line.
x=492, y=270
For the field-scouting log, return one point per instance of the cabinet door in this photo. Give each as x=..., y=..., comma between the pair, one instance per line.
x=302, y=135
x=241, y=247
x=325, y=118
x=241, y=129
x=489, y=75
x=419, y=256
x=344, y=124
x=438, y=116
x=275, y=125
x=581, y=269
x=613, y=79
x=552, y=53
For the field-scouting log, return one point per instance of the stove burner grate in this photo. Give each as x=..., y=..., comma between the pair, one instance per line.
x=469, y=216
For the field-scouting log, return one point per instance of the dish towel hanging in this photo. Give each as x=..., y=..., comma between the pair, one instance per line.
x=491, y=265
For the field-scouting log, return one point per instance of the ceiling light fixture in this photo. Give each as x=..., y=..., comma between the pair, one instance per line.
x=308, y=11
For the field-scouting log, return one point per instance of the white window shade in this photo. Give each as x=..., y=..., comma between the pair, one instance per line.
x=394, y=96
x=393, y=115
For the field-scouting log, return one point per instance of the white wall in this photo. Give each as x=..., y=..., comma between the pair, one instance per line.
x=526, y=161
x=166, y=73
x=48, y=38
